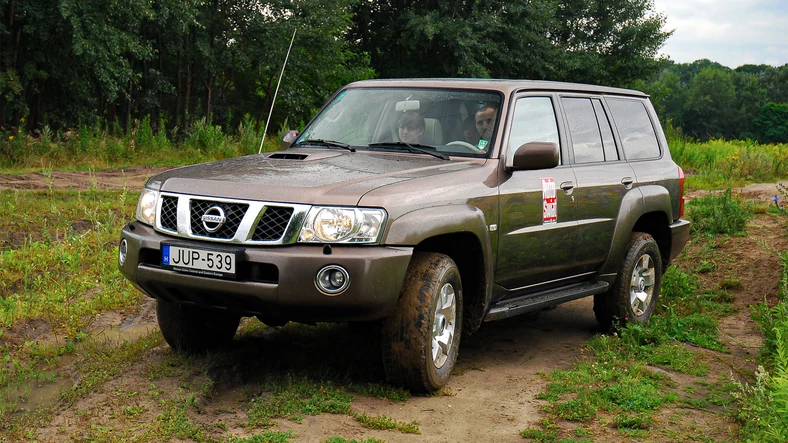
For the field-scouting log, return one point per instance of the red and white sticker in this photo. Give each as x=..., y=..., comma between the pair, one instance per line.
x=549, y=203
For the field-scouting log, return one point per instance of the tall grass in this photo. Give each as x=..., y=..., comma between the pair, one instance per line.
x=143, y=143
x=721, y=163
x=764, y=410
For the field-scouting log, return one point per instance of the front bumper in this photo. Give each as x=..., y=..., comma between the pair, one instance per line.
x=273, y=282
x=679, y=235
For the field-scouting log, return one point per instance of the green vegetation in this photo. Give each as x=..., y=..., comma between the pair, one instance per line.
x=764, y=406
x=101, y=148
x=57, y=247
x=67, y=65
x=718, y=214
x=718, y=164
x=705, y=100
x=620, y=383
x=627, y=377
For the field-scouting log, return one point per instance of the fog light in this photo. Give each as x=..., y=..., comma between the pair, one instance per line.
x=122, y=250
x=332, y=280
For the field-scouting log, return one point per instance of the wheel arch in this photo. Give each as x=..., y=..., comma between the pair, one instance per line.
x=461, y=232
x=649, y=210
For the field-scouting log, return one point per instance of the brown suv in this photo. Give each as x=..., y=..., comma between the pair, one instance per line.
x=430, y=206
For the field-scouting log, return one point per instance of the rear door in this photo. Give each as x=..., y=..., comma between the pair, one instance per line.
x=603, y=177
x=538, y=228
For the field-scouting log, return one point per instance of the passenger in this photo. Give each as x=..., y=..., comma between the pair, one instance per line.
x=411, y=127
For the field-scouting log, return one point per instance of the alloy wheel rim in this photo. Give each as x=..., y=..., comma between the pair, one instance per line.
x=443, y=325
x=641, y=289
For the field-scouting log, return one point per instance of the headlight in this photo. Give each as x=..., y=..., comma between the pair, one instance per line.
x=146, y=206
x=342, y=225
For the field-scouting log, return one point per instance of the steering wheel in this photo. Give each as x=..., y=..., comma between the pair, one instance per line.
x=466, y=145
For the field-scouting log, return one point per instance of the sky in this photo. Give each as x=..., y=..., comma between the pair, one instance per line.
x=729, y=32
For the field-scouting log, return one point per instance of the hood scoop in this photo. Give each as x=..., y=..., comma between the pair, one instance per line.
x=287, y=156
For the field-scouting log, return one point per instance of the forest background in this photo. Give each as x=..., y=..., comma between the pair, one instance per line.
x=170, y=68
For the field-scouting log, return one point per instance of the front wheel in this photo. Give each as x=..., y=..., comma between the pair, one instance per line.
x=634, y=295
x=190, y=328
x=421, y=340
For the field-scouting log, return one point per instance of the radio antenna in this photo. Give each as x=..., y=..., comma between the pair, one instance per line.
x=271, y=111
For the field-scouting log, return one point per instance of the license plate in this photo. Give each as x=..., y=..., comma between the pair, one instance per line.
x=205, y=262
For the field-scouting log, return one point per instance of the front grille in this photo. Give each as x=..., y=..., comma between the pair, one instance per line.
x=273, y=223
x=169, y=213
x=234, y=213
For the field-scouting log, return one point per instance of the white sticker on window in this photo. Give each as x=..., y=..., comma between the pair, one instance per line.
x=549, y=203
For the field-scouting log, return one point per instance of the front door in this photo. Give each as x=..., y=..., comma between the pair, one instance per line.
x=538, y=224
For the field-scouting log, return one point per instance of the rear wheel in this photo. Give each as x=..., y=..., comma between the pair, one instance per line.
x=634, y=294
x=421, y=340
x=191, y=328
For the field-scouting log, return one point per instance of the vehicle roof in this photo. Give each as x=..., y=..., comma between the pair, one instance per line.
x=503, y=85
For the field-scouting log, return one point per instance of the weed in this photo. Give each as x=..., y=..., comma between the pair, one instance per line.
x=265, y=437
x=764, y=405
x=718, y=214
x=344, y=440
x=295, y=397
x=385, y=423
x=707, y=266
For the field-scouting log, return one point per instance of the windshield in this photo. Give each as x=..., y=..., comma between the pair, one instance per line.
x=453, y=122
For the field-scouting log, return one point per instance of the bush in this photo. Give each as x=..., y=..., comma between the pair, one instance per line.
x=718, y=214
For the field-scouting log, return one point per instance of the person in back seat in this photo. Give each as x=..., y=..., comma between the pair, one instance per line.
x=410, y=127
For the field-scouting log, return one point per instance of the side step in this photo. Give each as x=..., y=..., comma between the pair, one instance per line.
x=532, y=302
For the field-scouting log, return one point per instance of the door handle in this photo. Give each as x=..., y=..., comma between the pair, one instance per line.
x=568, y=186
x=627, y=182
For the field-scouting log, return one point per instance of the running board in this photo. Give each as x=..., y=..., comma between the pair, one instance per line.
x=521, y=305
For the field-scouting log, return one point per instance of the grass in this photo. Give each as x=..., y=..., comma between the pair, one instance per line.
x=717, y=164
x=625, y=378
x=141, y=144
x=764, y=403
x=718, y=214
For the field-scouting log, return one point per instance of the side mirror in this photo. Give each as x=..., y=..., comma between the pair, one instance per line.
x=288, y=138
x=536, y=155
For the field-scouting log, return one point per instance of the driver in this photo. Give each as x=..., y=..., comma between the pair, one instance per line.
x=410, y=127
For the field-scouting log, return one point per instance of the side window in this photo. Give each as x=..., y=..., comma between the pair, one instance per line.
x=607, y=134
x=533, y=121
x=584, y=129
x=634, y=127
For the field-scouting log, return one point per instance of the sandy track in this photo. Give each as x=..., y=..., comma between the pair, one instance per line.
x=132, y=178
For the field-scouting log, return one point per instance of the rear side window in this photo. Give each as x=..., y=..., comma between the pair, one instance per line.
x=607, y=134
x=584, y=129
x=635, y=129
x=533, y=121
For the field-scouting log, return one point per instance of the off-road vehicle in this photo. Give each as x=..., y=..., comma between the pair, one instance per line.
x=427, y=206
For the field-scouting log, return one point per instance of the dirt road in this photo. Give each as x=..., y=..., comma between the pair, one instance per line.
x=491, y=397
x=132, y=178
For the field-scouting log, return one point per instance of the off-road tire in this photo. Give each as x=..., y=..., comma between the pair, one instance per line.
x=614, y=307
x=407, y=336
x=189, y=328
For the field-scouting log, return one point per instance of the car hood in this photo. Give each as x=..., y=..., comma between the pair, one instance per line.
x=308, y=176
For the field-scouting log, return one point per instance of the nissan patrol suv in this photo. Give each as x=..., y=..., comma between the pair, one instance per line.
x=426, y=206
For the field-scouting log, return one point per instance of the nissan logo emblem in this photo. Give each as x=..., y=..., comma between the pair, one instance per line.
x=213, y=219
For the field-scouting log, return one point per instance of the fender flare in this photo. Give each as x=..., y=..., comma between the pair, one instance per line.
x=636, y=203
x=414, y=227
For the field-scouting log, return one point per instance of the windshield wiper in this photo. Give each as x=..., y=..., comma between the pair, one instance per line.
x=412, y=147
x=329, y=143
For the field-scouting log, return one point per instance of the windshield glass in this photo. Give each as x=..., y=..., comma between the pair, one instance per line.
x=454, y=122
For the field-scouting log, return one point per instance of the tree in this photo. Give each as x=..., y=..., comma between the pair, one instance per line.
x=750, y=97
x=772, y=124
x=610, y=41
x=710, y=105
